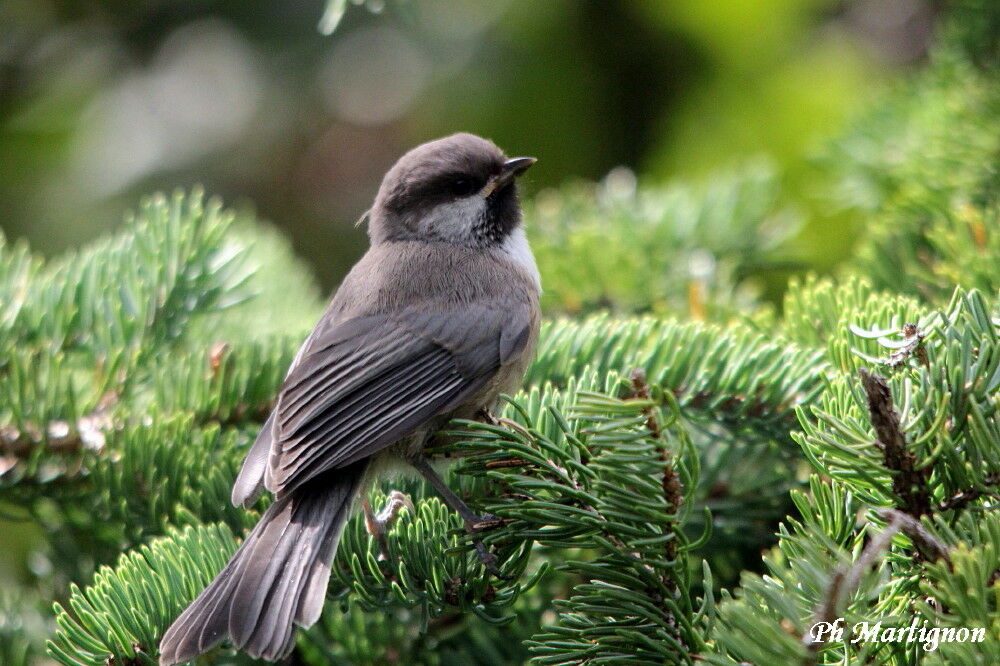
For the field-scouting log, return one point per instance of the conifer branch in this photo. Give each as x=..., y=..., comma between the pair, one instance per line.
x=599, y=484
x=926, y=543
x=909, y=484
x=845, y=581
x=671, y=484
x=962, y=499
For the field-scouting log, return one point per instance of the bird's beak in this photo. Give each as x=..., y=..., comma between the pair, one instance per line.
x=510, y=170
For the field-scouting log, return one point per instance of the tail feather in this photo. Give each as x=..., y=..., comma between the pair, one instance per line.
x=314, y=592
x=251, y=604
x=277, y=578
x=261, y=616
x=250, y=481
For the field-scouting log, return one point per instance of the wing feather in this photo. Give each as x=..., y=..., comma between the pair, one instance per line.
x=362, y=384
x=335, y=369
x=341, y=402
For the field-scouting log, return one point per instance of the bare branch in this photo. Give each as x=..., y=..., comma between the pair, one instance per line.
x=908, y=484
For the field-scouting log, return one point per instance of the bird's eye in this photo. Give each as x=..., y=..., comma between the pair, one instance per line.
x=462, y=187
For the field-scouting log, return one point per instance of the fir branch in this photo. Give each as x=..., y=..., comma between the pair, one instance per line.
x=234, y=384
x=594, y=482
x=962, y=499
x=735, y=378
x=122, y=614
x=926, y=543
x=679, y=248
x=845, y=581
x=930, y=202
x=821, y=312
x=671, y=484
x=948, y=410
x=908, y=483
x=960, y=590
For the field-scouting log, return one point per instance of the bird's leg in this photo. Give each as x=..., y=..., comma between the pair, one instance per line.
x=486, y=416
x=378, y=524
x=473, y=522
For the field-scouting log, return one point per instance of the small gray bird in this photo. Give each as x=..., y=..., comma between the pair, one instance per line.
x=437, y=319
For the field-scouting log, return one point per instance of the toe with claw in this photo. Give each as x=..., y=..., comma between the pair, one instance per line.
x=489, y=560
x=378, y=524
x=487, y=521
x=488, y=417
x=474, y=522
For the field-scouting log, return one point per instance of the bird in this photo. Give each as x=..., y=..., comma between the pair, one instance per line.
x=436, y=320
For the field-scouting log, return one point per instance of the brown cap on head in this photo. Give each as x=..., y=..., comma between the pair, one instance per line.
x=430, y=163
x=456, y=189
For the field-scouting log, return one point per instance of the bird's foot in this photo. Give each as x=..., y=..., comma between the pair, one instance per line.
x=475, y=524
x=487, y=521
x=489, y=560
x=486, y=416
x=378, y=524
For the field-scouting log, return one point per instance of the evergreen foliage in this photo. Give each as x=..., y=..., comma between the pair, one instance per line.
x=679, y=248
x=691, y=475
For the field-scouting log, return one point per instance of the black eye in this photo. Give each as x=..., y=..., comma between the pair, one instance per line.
x=463, y=187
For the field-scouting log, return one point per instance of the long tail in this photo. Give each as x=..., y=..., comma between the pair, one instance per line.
x=277, y=577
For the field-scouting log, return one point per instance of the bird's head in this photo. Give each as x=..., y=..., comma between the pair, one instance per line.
x=460, y=189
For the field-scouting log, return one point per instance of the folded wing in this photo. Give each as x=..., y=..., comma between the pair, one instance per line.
x=364, y=383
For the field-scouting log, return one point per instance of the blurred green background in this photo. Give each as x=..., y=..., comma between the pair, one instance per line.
x=104, y=100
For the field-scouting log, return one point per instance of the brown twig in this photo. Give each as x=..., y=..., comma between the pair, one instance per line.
x=908, y=483
x=57, y=437
x=673, y=492
x=845, y=580
x=966, y=497
x=507, y=463
x=926, y=543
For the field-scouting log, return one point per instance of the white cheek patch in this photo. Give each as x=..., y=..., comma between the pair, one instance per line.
x=454, y=220
x=516, y=247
